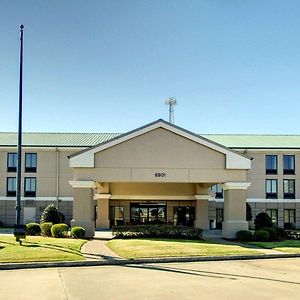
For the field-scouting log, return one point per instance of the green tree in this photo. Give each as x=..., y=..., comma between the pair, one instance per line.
x=51, y=214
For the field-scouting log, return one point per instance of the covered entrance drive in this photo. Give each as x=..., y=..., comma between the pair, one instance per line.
x=158, y=173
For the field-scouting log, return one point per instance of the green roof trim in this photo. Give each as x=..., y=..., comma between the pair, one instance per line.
x=83, y=140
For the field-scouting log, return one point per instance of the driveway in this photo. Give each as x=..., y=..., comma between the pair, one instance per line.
x=255, y=279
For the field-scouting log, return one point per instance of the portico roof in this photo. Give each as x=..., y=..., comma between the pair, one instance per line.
x=234, y=160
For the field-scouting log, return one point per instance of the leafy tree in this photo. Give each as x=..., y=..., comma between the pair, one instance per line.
x=263, y=220
x=51, y=214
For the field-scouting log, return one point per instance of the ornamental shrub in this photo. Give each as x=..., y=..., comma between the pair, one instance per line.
x=157, y=231
x=261, y=236
x=51, y=214
x=263, y=220
x=46, y=228
x=272, y=232
x=59, y=230
x=280, y=232
x=77, y=232
x=33, y=229
x=244, y=235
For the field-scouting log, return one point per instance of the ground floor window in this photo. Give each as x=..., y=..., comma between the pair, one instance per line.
x=148, y=213
x=289, y=218
x=273, y=213
x=184, y=215
x=219, y=217
x=116, y=215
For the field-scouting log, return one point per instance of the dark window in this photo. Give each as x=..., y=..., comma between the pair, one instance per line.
x=30, y=162
x=11, y=162
x=30, y=187
x=148, y=213
x=273, y=213
x=11, y=187
x=271, y=164
x=289, y=164
x=219, y=217
x=289, y=218
x=218, y=190
x=288, y=188
x=271, y=188
x=116, y=215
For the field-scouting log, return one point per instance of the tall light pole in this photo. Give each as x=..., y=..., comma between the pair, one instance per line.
x=19, y=168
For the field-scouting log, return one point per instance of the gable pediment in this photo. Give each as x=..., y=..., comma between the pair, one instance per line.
x=160, y=144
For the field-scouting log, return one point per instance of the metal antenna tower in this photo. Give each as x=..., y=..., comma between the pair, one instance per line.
x=171, y=102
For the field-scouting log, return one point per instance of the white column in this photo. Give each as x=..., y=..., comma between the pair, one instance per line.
x=234, y=208
x=201, y=211
x=83, y=206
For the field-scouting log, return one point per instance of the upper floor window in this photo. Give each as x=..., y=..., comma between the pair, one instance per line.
x=288, y=188
x=11, y=187
x=218, y=190
x=271, y=188
x=30, y=187
x=11, y=162
x=271, y=164
x=288, y=164
x=30, y=162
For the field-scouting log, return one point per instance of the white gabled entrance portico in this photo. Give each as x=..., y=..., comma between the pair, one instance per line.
x=161, y=169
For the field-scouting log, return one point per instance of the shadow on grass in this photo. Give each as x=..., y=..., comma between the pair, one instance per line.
x=221, y=275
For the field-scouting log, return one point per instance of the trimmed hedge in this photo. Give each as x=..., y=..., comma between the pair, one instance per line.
x=33, y=229
x=292, y=234
x=157, y=231
x=77, y=232
x=59, y=230
x=244, y=235
x=261, y=236
x=46, y=228
x=272, y=232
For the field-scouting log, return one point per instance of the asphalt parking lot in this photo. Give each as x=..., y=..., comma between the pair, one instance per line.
x=255, y=279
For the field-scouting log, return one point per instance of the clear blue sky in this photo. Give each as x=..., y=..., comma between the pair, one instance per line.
x=108, y=66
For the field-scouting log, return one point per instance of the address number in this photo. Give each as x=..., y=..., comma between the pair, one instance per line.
x=160, y=175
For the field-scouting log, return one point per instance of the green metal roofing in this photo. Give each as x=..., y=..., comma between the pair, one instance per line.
x=91, y=139
x=255, y=140
x=35, y=139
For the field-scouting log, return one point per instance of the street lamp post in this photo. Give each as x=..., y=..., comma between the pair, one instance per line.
x=20, y=230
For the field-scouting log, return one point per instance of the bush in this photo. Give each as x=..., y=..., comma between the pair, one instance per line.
x=46, y=228
x=33, y=229
x=51, y=214
x=261, y=236
x=77, y=232
x=157, y=231
x=244, y=235
x=280, y=232
x=59, y=230
x=263, y=220
x=272, y=232
x=292, y=234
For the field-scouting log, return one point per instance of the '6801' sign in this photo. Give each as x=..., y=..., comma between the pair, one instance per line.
x=160, y=174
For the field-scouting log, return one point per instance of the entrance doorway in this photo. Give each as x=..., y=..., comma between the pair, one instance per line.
x=184, y=215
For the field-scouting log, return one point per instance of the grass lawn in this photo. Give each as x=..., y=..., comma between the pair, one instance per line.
x=142, y=248
x=37, y=248
x=289, y=246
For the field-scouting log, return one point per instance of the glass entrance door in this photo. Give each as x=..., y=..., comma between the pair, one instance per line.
x=148, y=213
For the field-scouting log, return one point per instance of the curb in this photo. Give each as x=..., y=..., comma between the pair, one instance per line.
x=122, y=262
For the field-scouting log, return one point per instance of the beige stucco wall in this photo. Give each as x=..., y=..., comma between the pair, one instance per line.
x=257, y=175
x=159, y=151
x=46, y=180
